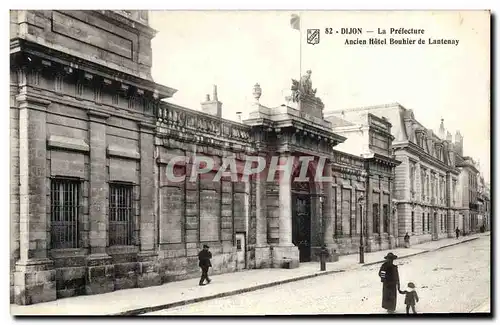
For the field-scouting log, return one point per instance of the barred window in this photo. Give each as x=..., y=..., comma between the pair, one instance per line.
x=385, y=209
x=120, y=214
x=376, y=219
x=412, y=222
x=64, y=212
x=428, y=222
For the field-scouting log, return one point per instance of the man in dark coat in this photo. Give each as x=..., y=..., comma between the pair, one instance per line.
x=389, y=276
x=204, y=257
x=457, y=231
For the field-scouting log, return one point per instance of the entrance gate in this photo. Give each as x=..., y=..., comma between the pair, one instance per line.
x=301, y=220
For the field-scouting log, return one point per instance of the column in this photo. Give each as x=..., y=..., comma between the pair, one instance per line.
x=394, y=222
x=329, y=209
x=147, y=258
x=392, y=238
x=285, y=204
x=100, y=271
x=261, y=208
x=449, y=205
x=381, y=211
x=262, y=252
x=369, y=207
x=34, y=277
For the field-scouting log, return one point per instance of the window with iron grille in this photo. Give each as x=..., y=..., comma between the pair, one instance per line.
x=412, y=222
x=385, y=211
x=120, y=214
x=64, y=213
x=428, y=222
x=376, y=219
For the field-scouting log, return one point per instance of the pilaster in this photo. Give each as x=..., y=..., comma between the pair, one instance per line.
x=262, y=254
x=392, y=234
x=100, y=271
x=369, y=207
x=34, y=277
x=380, y=211
x=285, y=205
x=329, y=209
x=147, y=258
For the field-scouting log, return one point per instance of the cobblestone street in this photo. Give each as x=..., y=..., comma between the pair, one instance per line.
x=450, y=280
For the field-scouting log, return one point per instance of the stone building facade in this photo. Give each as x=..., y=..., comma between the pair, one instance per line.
x=483, y=202
x=426, y=181
x=469, y=187
x=369, y=145
x=92, y=143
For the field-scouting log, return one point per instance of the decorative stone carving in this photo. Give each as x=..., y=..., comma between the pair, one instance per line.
x=257, y=92
x=207, y=125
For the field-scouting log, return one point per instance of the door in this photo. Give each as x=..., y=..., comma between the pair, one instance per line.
x=240, y=251
x=301, y=227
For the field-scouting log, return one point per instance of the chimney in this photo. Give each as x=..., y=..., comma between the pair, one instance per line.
x=213, y=106
x=459, y=143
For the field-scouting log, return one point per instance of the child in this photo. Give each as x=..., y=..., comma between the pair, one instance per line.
x=411, y=297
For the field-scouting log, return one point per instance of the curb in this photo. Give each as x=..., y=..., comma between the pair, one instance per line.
x=404, y=256
x=135, y=312
x=425, y=251
x=463, y=241
x=144, y=310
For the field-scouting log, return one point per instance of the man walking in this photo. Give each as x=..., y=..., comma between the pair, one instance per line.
x=204, y=257
x=457, y=231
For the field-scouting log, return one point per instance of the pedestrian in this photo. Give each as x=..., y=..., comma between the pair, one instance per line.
x=204, y=257
x=457, y=231
x=389, y=276
x=411, y=297
x=407, y=240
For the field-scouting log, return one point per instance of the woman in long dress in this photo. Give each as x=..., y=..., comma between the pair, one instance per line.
x=389, y=276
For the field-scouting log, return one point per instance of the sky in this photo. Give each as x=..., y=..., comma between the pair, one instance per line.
x=194, y=50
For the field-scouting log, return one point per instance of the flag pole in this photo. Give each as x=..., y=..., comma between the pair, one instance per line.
x=300, y=45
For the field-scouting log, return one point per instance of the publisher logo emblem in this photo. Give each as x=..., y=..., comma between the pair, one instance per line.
x=313, y=36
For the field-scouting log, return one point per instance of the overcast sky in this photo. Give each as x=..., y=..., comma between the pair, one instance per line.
x=234, y=50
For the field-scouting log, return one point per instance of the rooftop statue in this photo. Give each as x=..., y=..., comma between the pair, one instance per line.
x=303, y=88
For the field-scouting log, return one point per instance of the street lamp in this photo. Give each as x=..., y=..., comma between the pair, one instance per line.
x=361, y=200
x=321, y=220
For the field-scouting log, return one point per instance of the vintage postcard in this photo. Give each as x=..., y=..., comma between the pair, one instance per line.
x=250, y=162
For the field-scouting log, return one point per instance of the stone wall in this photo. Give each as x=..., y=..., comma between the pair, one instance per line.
x=104, y=37
x=14, y=181
x=98, y=144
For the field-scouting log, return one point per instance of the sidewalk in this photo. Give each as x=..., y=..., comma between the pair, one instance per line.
x=142, y=300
